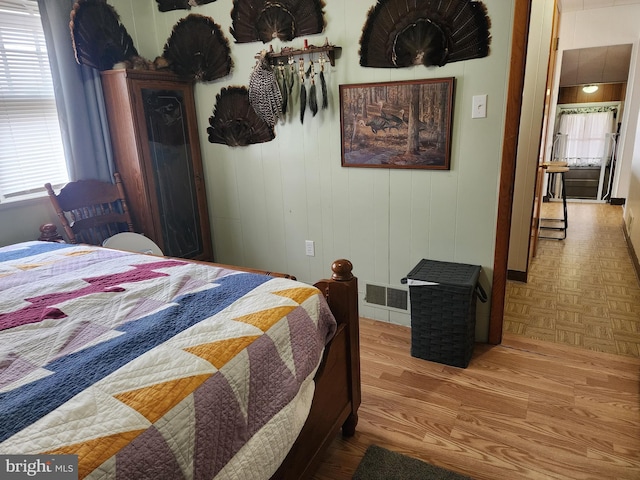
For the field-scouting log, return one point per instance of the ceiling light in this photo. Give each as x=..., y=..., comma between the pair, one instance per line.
x=590, y=88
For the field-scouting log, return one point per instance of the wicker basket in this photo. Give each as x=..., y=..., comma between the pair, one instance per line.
x=443, y=314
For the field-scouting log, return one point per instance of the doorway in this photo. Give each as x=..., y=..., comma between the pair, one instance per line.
x=523, y=9
x=576, y=287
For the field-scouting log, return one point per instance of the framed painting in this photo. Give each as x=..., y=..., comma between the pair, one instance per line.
x=397, y=124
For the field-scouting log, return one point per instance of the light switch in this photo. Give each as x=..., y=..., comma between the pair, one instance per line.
x=479, y=107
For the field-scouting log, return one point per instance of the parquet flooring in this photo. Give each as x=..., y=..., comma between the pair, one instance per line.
x=558, y=399
x=526, y=409
x=581, y=291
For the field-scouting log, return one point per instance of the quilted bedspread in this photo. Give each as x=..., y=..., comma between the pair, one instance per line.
x=149, y=367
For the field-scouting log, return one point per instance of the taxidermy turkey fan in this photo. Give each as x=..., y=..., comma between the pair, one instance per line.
x=235, y=122
x=168, y=5
x=99, y=39
x=401, y=33
x=198, y=49
x=264, y=20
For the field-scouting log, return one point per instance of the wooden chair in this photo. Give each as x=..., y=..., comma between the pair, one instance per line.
x=91, y=211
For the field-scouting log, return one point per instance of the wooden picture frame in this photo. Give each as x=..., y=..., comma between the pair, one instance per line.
x=404, y=124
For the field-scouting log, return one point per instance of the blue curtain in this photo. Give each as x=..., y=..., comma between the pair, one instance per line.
x=78, y=91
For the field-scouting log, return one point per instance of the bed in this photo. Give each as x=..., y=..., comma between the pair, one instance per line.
x=163, y=368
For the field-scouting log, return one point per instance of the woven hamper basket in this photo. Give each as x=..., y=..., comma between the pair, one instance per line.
x=443, y=314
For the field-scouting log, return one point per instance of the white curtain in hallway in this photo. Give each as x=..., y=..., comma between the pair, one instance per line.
x=586, y=143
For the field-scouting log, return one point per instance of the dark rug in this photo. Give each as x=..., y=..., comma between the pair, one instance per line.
x=381, y=464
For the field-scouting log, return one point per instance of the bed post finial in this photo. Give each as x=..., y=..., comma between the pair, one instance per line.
x=342, y=270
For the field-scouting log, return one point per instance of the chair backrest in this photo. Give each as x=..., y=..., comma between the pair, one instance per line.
x=91, y=211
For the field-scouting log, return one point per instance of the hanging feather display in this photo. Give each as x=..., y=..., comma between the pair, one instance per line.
x=168, y=5
x=264, y=20
x=99, y=39
x=288, y=84
x=235, y=122
x=293, y=80
x=292, y=74
x=198, y=49
x=323, y=84
x=284, y=89
x=303, y=90
x=399, y=33
x=264, y=93
x=313, y=96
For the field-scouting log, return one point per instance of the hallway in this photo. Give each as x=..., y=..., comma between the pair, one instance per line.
x=582, y=291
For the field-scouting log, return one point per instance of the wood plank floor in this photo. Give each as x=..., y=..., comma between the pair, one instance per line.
x=526, y=409
x=559, y=399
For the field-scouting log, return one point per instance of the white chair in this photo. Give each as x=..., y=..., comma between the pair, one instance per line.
x=133, y=242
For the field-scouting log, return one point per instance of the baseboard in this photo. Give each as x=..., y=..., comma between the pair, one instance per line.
x=618, y=201
x=632, y=252
x=517, y=276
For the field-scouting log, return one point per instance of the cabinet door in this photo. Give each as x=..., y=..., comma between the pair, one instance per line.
x=172, y=165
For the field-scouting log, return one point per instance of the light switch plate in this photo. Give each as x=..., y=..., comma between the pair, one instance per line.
x=479, y=107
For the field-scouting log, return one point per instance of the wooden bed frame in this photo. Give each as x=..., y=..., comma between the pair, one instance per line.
x=337, y=392
x=337, y=395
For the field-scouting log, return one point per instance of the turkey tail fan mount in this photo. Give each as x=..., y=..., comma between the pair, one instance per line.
x=401, y=33
x=168, y=5
x=198, y=49
x=235, y=122
x=99, y=39
x=264, y=20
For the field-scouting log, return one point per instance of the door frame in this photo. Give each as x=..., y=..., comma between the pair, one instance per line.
x=521, y=17
x=548, y=120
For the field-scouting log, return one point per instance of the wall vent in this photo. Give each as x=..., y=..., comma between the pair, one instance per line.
x=386, y=296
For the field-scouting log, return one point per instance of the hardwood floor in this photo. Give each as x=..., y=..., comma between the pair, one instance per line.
x=558, y=399
x=526, y=409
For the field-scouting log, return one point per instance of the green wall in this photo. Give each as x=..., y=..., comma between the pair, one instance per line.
x=266, y=200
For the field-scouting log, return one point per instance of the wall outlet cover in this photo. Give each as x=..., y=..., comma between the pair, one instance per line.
x=310, y=248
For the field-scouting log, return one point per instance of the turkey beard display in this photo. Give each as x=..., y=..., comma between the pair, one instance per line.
x=272, y=89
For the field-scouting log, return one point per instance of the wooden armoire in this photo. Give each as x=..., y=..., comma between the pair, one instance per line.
x=154, y=135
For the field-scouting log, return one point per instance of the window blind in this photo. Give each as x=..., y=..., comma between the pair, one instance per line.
x=31, y=151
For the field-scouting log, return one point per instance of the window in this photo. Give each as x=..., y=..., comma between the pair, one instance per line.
x=586, y=132
x=31, y=151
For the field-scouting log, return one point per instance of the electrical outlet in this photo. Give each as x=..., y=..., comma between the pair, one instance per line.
x=310, y=248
